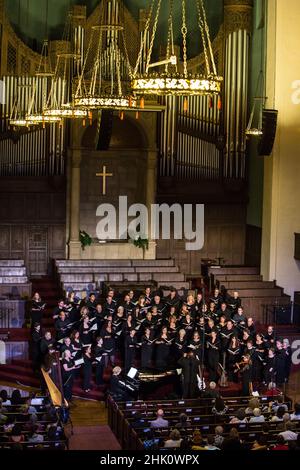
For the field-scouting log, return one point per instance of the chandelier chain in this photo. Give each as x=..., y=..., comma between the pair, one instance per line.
x=206, y=27
x=153, y=36
x=143, y=41
x=184, y=31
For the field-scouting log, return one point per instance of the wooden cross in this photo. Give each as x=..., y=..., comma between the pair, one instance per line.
x=104, y=175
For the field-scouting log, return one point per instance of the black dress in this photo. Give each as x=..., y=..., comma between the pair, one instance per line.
x=190, y=369
x=68, y=378
x=147, y=351
x=163, y=346
x=87, y=372
x=280, y=364
x=100, y=366
x=288, y=363
x=213, y=358
x=130, y=349
x=36, y=312
x=233, y=356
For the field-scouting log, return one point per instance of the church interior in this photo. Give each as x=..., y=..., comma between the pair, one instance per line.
x=120, y=121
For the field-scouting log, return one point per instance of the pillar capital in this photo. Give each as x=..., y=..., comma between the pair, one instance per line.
x=237, y=15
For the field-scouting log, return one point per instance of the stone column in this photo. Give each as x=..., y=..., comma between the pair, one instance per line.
x=151, y=197
x=74, y=241
x=237, y=28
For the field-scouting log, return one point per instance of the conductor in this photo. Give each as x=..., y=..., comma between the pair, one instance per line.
x=190, y=368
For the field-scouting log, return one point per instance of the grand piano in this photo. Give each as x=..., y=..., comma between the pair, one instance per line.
x=152, y=383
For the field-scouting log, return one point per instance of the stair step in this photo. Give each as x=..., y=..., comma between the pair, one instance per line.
x=223, y=278
x=237, y=285
x=233, y=270
x=244, y=293
x=11, y=262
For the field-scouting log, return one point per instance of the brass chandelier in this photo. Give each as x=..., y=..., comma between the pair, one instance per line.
x=100, y=85
x=171, y=81
x=59, y=103
x=35, y=112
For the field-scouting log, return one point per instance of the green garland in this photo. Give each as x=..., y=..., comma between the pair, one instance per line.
x=141, y=243
x=85, y=239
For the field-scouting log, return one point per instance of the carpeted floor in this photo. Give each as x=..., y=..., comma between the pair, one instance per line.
x=93, y=438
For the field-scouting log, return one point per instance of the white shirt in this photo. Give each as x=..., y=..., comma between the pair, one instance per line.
x=257, y=419
x=288, y=435
x=295, y=417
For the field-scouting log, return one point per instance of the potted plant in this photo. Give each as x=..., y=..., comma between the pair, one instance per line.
x=85, y=239
x=142, y=243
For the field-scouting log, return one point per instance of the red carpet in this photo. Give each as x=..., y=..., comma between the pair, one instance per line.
x=93, y=438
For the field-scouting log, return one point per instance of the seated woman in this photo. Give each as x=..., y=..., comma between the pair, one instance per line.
x=240, y=417
x=174, y=440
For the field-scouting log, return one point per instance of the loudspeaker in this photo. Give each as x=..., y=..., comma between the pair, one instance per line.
x=104, y=129
x=265, y=145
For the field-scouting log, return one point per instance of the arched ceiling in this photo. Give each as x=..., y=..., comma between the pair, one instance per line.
x=31, y=18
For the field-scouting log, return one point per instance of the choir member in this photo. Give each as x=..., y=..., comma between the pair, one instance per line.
x=147, y=345
x=76, y=345
x=188, y=325
x=127, y=305
x=109, y=307
x=36, y=309
x=269, y=368
x=213, y=356
x=246, y=375
x=172, y=300
x=46, y=345
x=224, y=311
x=172, y=326
x=66, y=345
x=280, y=363
x=258, y=359
x=163, y=344
x=36, y=337
x=199, y=302
x=60, y=307
x=197, y=346
x=239, y=320
x=233, y=356
x=191, y=305
x=68, y=368
x=99, y=315
x=288, y=358
x=190, y=369
x=87, y=369
x=148, y=296
x=251, y=327
x=157, y=303
x=109, y=343
x=269, y=337
x=234, y=303
x=216, y=299
x=130, y=349
x=100, y=361
x=180, y=345
x=86, y=335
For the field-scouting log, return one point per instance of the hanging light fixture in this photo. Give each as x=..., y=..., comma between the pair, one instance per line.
x=256, y=113
x=255, y=124
x=103, y=87
x=18, y=113
x=171, y=81
x=59, y=102
x=44, y=73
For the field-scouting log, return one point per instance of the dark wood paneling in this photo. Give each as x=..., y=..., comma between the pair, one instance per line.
x=225, y=227
x=27, y=204
x=253, y=245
